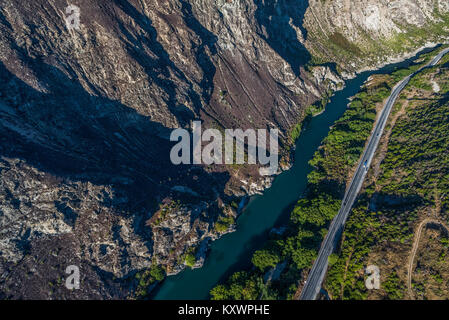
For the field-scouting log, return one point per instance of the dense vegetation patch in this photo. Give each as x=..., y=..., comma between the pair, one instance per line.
x=413, y=181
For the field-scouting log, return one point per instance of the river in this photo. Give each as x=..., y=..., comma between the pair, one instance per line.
x=233, y=251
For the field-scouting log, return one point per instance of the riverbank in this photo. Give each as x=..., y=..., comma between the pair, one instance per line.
x=405, y=187
x=233, y=252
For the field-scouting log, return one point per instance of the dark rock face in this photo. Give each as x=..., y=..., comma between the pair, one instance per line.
x=85, y=116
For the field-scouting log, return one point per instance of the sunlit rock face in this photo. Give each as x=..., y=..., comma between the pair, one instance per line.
x=360, y=34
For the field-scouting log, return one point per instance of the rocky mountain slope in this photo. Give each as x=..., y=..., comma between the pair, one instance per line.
x=362, y=34
x=85, y=116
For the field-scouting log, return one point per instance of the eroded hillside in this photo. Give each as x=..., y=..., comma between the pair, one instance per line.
x=403, y=210
x=85, y=117
x=361, y=34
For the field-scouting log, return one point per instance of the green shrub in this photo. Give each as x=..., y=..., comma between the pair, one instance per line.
x=263, y=259
x=190, y=260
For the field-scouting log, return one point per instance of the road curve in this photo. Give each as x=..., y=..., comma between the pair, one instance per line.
x=318, y=271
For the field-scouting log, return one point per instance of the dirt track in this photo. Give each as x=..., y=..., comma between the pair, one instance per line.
x=415, y=249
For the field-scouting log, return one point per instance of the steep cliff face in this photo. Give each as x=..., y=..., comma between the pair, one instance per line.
x=86, y=114
x=85, y=117
x=360, y=34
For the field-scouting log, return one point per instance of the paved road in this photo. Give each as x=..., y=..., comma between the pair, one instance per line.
x=318, y=271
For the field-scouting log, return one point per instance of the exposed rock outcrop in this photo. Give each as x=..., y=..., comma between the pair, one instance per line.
x=364, y=34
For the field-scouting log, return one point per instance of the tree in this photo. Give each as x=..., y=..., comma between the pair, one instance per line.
x=219, y=293
x=157, y=272
x=265, y=258
x=303, y=257
x=316, y=211
x=190, y=260
x=333, y=258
